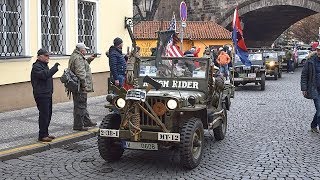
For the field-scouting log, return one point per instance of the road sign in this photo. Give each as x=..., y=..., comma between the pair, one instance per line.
x=183, y=11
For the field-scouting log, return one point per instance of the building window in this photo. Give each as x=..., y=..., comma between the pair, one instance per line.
x=10, y=28
x=52, y=26
x=86, y=24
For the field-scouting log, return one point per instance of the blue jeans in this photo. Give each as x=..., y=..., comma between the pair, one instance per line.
x=289, y=66
x=316, y=118
x=121, y=80
x=225, y=70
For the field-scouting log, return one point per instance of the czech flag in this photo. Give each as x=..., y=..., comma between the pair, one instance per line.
x=237, y=37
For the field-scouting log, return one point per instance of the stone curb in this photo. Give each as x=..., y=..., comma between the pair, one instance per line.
x=24, y=150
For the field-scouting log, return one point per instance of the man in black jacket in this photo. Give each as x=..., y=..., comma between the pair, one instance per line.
x=310, y=86
x=42, y=84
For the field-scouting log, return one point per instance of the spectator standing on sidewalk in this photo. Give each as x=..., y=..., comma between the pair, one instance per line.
x=42, y=84
x=81, y=67
x=310, y=86
x=117, y=63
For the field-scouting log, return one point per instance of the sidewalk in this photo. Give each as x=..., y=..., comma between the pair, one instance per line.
x=19, y=129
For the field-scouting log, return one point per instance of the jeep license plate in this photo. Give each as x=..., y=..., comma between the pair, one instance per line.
x=140, y=145
x=169, y=137
x=252, y=75
x=109, y=132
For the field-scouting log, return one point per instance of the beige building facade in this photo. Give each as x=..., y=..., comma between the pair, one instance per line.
x=57, y=25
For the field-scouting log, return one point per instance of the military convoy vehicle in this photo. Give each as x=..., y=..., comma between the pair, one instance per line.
x=256, y=73
x=172, y=104
x=273, y=64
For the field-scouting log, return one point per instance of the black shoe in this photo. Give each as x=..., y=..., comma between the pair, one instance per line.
x=81, y=129
x=92, y=124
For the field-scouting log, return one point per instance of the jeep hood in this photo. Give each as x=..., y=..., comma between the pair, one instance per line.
x=175, y=94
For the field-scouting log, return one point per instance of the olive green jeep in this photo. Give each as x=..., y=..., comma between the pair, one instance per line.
x=173, y=103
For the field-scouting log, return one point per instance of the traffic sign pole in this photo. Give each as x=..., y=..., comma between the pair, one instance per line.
x=183, y=17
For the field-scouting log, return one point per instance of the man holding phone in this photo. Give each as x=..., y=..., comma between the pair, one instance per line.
x=80, y=66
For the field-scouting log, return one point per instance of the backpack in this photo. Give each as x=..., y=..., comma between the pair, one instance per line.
x=70, y=81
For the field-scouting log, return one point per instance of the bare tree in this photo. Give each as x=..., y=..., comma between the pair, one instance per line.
x=306, y=30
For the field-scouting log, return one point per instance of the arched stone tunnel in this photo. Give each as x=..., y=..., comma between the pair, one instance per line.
x=264, y=21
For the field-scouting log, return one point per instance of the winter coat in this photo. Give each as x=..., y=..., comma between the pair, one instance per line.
x=308, y=79
x=80, y=66
x=41, y=79
x=117, y=63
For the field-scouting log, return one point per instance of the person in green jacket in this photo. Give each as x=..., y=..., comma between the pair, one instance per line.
x=80, y=65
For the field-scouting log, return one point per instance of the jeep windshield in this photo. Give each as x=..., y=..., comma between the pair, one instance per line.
x=255, y=57
x=270, y=56
x=189, y=68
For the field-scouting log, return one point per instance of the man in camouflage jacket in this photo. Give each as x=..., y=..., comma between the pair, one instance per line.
x=81, y=67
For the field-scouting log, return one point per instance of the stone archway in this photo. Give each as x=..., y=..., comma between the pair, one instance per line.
x=265, y=20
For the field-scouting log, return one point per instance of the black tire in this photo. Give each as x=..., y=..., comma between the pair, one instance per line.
x=280, y=74
x=276, y=76
x=263, y=82
x=191, y=143
x=110, y=149
x=220, y=131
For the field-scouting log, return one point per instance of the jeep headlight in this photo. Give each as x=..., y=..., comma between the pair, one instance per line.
x=172, y=104
x=272, y=63
x=120, y=103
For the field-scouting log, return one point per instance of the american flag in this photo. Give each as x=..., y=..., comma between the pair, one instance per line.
x=172, y=50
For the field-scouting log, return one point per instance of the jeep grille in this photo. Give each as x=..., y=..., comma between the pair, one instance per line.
x=146, y=121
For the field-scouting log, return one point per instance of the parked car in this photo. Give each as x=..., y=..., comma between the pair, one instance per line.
x=302, y=55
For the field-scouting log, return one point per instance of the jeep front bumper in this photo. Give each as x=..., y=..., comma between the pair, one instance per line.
x=143, y=135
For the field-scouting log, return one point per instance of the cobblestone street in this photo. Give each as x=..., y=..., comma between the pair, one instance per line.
x=268, y=137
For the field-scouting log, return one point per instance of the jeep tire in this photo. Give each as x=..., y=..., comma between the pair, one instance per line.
x=110, y=149
x=276, y=72
x=263, y=82
x=220, y=131
x=191, y=143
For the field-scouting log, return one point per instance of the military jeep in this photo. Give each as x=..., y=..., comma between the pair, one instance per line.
x=273, y=64
x=241, y=74
x=172, y=104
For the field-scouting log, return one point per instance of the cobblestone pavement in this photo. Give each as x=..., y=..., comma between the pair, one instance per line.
x=268, y=137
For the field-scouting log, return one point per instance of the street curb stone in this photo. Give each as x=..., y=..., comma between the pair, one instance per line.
x=25, y=150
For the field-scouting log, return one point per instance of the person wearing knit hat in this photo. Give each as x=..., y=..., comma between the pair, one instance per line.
x=117, y=63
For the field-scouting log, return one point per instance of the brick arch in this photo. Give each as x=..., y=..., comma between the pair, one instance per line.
x=251, y=5
x=265, y=20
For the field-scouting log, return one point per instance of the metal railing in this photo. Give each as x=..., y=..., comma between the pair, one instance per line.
x=86, y=24
x=52, y=26
x=11, y=28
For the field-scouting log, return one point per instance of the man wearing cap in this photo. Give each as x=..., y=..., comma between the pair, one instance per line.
x=42, y=84
x=117, y=63
x=310, y=86
x=80, y=65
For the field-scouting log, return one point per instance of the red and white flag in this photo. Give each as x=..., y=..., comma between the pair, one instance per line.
x=172, y=50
